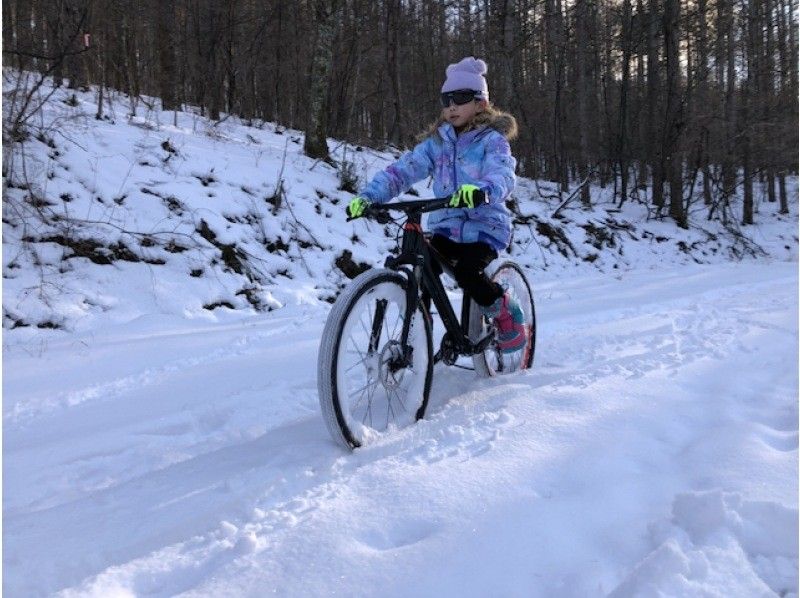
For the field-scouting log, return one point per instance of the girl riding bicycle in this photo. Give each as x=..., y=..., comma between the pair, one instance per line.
x=468, y=155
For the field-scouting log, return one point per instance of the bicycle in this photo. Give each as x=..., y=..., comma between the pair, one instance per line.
x=375, y=362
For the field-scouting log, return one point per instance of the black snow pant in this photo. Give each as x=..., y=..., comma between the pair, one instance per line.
x=468, y=261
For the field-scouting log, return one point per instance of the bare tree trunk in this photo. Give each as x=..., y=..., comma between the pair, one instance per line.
x=703, y=98
x=165, y=39
x=793, y=49
x=54, y=38
x=316, y=141
x=392, y=41
x=23, y=13
x=465, y=25
x=213, y=37
x=784, y=198
x=623, y=102
x=751, y=86
x=131, y=58
x=103, y=26
x=767, y=98
x=586, y=35
x=231, y=67
x=503, y=13
x=117, y=50
x=747, y=183
x=555, y=66
x=272, y=103
x=672, y=135
x=729, y=163
x=8, y=26
x=76, y=16
x=653, y=114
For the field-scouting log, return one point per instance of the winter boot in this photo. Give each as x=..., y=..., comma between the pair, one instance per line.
x=509, y=321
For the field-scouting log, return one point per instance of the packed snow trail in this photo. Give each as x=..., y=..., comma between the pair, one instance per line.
x=652, y=448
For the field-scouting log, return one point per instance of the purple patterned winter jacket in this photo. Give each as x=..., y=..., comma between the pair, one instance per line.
x=479, y=157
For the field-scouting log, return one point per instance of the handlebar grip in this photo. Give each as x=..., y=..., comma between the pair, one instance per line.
x=480, y=197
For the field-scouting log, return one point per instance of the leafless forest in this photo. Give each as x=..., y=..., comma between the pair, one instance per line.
x=673, y=103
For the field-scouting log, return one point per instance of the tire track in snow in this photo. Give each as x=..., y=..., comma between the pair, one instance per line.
x=24, y=411
x=658, y=340
x=300, y=485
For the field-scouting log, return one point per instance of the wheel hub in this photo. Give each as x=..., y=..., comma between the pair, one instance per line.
x=390, y=364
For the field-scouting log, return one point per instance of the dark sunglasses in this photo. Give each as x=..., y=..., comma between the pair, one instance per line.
x=458, y=97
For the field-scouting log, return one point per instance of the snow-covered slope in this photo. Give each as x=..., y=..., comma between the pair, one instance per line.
x=161, y=432
x=178, y=217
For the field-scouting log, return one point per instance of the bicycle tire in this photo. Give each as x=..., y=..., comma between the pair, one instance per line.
x=334, y=381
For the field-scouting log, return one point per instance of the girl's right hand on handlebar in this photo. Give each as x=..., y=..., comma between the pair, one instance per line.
x=356, y=207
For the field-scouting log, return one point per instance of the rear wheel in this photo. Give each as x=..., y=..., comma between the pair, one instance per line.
x=365, y=387
x=493, y=361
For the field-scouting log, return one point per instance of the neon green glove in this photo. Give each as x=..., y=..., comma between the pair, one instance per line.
x=356, y=207
x=467, y=196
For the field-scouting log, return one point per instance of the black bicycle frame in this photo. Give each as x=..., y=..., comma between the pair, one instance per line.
x=418, y=253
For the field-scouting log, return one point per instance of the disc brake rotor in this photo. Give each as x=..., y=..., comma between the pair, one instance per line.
x=391, y=370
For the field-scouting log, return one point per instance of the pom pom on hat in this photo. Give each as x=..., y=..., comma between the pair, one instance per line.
x=467, y=74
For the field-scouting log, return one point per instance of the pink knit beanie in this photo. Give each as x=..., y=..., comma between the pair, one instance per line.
x=467, y=74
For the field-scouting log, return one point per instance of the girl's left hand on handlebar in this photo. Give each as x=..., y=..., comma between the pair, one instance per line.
x=356, y=207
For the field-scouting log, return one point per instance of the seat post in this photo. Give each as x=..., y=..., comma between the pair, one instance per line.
x=466, y=304
x=412, y=234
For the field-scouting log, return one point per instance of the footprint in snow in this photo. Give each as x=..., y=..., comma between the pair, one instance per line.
x=397, y=534
x=722, y=543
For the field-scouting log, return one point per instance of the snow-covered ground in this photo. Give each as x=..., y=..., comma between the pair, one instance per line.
x=162, y=436
x=653, y=448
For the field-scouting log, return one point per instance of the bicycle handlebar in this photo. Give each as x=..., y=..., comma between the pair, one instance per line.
x=420, y=206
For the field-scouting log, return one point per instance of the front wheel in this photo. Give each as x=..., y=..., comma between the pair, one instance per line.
x=366, y=386
x=493, y=361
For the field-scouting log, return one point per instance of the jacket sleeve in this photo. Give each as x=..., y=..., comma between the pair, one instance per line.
x=497, y=177
x=412, y=166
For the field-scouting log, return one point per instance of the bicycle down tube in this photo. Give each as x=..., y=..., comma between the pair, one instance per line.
x=417, y=253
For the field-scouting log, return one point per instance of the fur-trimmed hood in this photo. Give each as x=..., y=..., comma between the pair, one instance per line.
x=500, y=121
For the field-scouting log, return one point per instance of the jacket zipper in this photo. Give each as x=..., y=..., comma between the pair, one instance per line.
x=455, y=158
x=455, y=188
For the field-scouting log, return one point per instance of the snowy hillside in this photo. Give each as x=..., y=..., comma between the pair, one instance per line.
x=123, y=218
x=161, y=430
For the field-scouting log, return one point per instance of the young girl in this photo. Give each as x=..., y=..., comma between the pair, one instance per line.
x=468, y=155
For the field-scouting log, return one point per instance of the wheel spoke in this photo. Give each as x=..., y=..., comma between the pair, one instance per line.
x=389, y=409
x=364, y=326
x=400, y=398
x=370, y=396
x=367, y=385
x=355, y=346
x=359, y=362
x=354, y=408
x=364, y=390
x=386, y=328
x=398, y=322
